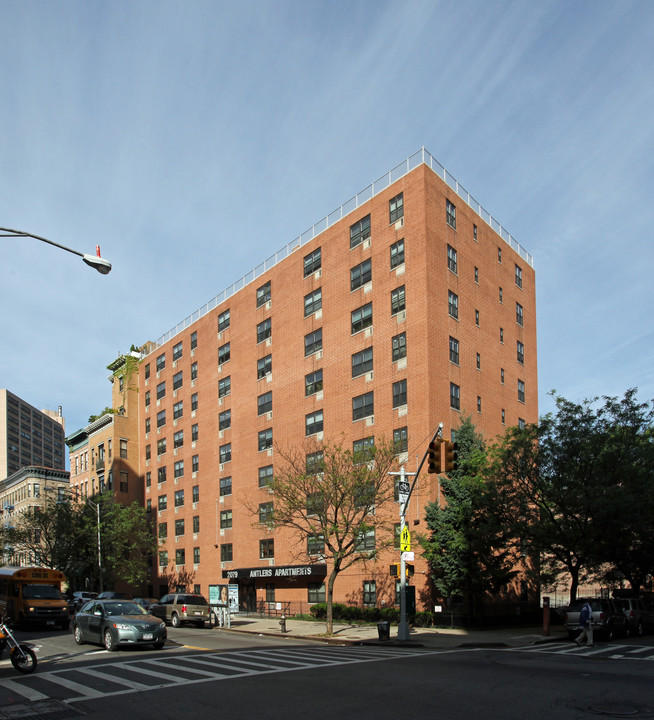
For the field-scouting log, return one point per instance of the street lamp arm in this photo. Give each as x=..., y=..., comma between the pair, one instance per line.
x=95, y=261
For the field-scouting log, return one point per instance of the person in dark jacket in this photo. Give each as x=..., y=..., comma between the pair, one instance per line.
x=586, y=623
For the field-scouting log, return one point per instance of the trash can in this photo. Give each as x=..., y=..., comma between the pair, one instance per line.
x=384, y=629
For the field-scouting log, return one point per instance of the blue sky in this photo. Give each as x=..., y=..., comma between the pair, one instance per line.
x=192, y=140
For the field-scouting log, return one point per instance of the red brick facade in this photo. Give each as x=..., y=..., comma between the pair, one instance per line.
x=495, y=293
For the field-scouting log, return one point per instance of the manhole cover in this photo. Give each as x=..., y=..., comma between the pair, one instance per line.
x=615, y=709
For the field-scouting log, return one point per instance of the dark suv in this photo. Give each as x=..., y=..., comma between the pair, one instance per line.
x=608, y=619
x=640, y=617
x=179, y=608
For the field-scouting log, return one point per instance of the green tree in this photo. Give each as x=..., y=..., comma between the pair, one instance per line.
x=469, y=551
x=577, y=488
x=334, y=499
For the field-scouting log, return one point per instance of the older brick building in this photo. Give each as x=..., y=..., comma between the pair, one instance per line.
x=406, y=307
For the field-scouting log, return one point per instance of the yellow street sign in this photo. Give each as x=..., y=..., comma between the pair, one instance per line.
x=405, y=540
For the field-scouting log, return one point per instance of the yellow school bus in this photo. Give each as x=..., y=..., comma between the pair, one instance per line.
x=31, y=595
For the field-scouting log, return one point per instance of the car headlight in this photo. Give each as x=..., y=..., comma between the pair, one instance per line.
x=122, y=626
x=162, y=625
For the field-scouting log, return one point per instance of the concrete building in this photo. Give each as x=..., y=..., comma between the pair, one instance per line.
x=408, y=306
x=104, y=454
x=29, y=436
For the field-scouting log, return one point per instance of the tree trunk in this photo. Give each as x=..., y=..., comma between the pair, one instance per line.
x=330, y=600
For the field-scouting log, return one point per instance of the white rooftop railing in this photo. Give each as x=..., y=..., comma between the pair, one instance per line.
x=399, y=171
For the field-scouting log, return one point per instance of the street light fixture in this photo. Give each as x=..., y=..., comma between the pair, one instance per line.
x=95, y=261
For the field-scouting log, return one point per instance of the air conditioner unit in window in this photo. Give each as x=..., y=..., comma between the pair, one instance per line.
x=399, y=224
x=370, y=420
x=269, y=415
x=368, y=332
x=369, y=376
x=271, y=561
x=366, y=244
x=318, y=274
x=401, y=317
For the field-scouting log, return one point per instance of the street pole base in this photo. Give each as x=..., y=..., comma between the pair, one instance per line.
x=403, y=631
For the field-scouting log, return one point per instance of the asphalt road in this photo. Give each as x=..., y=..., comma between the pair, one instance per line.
x=271, y=678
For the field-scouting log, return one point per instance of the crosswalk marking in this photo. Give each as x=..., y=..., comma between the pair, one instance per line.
x=613, y=651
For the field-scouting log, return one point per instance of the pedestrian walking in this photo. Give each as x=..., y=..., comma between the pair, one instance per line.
x=586, y=623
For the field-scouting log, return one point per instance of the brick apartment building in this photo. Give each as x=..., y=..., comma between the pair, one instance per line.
x=408, y=306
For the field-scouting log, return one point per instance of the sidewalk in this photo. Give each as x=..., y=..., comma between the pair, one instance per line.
x=436, y=638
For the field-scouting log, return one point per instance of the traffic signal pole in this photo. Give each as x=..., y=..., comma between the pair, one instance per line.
x=403, y=631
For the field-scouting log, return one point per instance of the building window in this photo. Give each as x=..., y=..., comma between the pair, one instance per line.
x=478, y=403
x=313, y=342
x=161, y=362
x=401, y=439
x=146, y=372
x=177, y=351
x=453, y=304
x=194, y=371
x=398, y=300
x=194, y=402
x=521, y=390
x=224, y=354
x=477, y=275
x=521, y=423
x=195, y=464
x=225, y=486
x=223, y=320
x=312, y=302
x=398, y=345
x=313, y=423
x=224, y=420
x=196, y=555
x=162, y=502
x=179, y=527
x=362, y=449
x=502, y=335
x=123, y=449
x=161, y=390
x=196, y=493
x=225, y=519
x=226, y=552
x=474, y=233
x=518, y=276
x=360, y=231
x=148, y=452
x=264, y=330
x=499, y=254
x=194, y=339
x=397, y=254
x=265, y=439
x=264, y=366
x=502, y=375
x=225, y=453
x=147, y=431
x=454, y=350
x=396, y=208
x=369, y=593
x=478, y=361
x=312, y=262
x=313, y=383
x=451, y=259
x=194, y=433
x=179, y=498
x=503, y=417
x=179, y=469
x=162, y=530
x=265, y=513
x=123, y=482
x=501, y=296
x=450, y=214
x=178, y=410
x=264, y=403
x=361, y=318
x=265, y=476
x=263, y=294
x=519, y=314
x=148, y=479
x=477, y=318
x=315, y=544
x=224, y=387
x=363, y=406
x=399, y=393
x=147, y=399
x=360, y=274
x=178, y=380
x=362, y=362
x=521, y=353
x=180, y=556
x=178, y=439
x=163, y=558
x=266, y=549
x=365, y=540
x=315, y=462
x=196, y=524
x=316, y=593
x=455, y=397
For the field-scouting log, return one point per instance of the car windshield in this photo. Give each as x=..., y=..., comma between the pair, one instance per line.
x=123, y=608
x=41, y=592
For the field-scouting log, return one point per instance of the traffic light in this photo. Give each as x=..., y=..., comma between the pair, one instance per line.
x=434, y=456
x=395, y=570
x=451, y=456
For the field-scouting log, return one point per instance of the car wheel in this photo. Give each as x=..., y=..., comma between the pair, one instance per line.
x=77, y=634
x=109, y=644
x=158, y=645
x=174, y=620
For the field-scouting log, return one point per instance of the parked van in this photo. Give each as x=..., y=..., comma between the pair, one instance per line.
x=31, y=595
